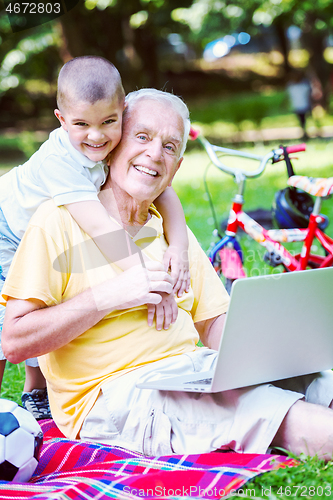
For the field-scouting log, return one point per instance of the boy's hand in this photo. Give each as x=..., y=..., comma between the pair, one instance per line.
x=176, y=259
x=165, y=312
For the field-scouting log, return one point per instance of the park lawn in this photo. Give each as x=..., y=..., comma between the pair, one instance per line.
x=312, y=478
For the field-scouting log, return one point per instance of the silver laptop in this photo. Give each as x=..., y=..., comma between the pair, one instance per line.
x=277, y=326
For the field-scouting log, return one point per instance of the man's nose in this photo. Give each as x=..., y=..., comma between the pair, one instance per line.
x=155, y=149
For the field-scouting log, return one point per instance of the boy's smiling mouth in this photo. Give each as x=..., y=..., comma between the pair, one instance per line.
x=96, y=146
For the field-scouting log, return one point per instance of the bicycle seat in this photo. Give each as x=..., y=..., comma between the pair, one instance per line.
x=316, y=186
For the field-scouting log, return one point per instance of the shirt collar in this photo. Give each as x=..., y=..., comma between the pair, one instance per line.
x=74, y=153
x=152, y=229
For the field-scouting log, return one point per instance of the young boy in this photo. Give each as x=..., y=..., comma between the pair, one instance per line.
x=71, y=167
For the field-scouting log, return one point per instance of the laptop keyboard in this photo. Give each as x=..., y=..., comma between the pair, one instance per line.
x=206, y=381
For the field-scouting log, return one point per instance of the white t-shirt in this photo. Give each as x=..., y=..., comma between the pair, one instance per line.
x=57, y=170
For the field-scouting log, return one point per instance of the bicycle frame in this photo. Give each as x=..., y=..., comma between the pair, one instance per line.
x=228, y=248
x=231, y=254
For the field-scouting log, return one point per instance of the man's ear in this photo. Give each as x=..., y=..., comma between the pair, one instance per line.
x=61, y=119
x=176, y=169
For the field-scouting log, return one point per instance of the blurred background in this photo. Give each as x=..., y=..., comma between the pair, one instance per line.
x=230, y=60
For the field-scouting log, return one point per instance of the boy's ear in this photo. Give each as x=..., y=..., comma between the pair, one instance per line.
x=61, y=119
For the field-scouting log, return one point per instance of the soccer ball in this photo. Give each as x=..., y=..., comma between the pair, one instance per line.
x=20, y=440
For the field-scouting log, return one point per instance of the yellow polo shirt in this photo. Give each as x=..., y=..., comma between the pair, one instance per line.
x=56, y=261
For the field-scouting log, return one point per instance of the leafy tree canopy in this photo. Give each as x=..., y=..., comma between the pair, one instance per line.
x=135, y=35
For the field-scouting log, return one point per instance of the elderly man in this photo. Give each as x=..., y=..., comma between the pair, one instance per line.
x=88, y=322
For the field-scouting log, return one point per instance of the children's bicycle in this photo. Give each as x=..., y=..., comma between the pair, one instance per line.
x=298, y=218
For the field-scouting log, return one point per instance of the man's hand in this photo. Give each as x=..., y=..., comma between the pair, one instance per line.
x=134, y=287
x=165, y=312
x=176, y=259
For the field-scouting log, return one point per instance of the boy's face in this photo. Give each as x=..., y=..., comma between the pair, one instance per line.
x=93, y=129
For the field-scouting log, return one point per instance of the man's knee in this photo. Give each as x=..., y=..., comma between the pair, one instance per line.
x=306, y=428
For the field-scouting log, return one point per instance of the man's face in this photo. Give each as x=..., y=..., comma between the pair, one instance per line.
x=93, y=129
x=148, y=155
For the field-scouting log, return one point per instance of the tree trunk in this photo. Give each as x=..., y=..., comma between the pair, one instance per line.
x=280, y=27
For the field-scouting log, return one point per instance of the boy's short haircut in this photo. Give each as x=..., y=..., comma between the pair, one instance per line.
x=89, y=79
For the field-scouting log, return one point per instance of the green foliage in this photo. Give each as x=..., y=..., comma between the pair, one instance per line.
x=27, y=143
x=210, y=19
x=17, y=148
x=239, y=108
x=29, y=64
x=135, y=36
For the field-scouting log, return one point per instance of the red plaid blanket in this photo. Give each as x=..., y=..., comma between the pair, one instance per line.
x=74, y=470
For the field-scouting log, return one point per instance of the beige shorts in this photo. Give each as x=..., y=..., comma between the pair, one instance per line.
x=156, y=423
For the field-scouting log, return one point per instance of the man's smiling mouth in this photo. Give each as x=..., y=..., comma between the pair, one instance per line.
x=145, y=170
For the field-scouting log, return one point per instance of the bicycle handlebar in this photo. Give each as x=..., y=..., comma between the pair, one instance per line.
x=194, y=134
x=296, y=148
x=275, y=155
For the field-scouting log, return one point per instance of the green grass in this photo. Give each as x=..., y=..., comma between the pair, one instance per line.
x=13, y=382
x=311, y=479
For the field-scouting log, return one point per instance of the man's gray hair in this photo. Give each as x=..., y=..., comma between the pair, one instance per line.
x=159, y=95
